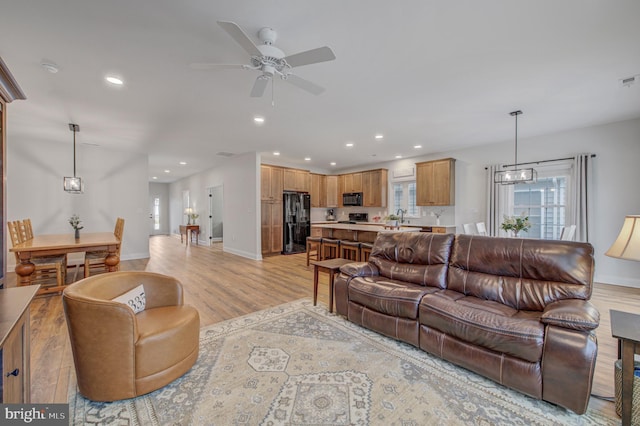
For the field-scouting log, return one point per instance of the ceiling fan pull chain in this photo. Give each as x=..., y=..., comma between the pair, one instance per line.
x=273, y=86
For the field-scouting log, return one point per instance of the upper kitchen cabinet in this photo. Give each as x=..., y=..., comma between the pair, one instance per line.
x=332, y=191
x=271, y=183
x=352, y=182
x=374, y=188
x=318, y=190
x=435, y=183
x=297, y=180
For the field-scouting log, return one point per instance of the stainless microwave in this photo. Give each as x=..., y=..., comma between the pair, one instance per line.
x=352, y=199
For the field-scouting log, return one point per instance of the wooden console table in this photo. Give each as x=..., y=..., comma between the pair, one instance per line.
x=331, y=267
x=188, y=231
x=626, y=328
x=15, y=355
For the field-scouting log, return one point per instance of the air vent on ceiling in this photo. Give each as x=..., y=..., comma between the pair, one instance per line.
x=629, y=81
x=225, y=154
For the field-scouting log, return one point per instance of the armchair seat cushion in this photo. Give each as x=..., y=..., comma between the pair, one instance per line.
x=485, y=323
x=387, y=296
x=167, y=336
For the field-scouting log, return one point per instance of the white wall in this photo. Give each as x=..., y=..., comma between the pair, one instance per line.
x=116, y=185
x=240, y=178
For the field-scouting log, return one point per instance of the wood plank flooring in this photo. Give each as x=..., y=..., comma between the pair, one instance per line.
x=223, y=286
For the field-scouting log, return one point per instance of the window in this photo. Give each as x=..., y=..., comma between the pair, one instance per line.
x=546, y=202
x=404, y=197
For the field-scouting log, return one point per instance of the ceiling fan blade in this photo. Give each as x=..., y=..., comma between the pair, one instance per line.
x=304, y=84
x=313, y=56
x=240, y=37
x=203, y=66
x=259, y=86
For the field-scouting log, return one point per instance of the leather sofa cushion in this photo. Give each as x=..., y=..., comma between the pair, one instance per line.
x=484, y=323
x=524, y=274
x=166, y=336
x=390, y=297
x=414, y=257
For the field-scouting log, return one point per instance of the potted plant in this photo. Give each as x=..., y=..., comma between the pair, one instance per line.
x=75, y=222
x=392, y=220
x=516, y=224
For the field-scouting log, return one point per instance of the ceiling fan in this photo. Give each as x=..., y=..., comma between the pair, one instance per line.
x=270, y=60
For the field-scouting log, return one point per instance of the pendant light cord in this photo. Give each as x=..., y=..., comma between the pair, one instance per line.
x=516, y=113
x=74, y=152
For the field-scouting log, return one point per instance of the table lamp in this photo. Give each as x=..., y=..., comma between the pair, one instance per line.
x=188, y=211
x=627, y=245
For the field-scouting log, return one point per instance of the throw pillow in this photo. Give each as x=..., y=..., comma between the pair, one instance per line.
x=133, y=298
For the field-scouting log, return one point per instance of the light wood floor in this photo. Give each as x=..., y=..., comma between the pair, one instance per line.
x=223, y=286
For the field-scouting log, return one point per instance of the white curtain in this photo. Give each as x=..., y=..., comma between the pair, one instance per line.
x=582, y=177
x=495, y=201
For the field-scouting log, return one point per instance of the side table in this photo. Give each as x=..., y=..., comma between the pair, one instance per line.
x=626, y=328
x=330, y=266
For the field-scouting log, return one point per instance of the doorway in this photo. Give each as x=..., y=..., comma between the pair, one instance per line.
x=215, y=214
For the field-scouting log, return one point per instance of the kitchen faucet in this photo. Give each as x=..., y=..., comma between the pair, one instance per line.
x=401, y=213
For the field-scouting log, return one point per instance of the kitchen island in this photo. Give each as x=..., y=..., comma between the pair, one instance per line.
x=365, y=233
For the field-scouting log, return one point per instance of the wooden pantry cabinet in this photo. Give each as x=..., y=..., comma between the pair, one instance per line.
x=297, y=180
x=271, y=219
x=374, y=185
x=435, y=183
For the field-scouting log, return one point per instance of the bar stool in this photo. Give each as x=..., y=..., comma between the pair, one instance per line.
x=313, y=245
x=350, y=250
x=365, y=251
x=330, y=245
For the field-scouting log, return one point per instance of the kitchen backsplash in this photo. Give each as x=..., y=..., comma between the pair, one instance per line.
x=447, y=214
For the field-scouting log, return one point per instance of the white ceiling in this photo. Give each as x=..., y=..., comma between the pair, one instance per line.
x=443, y=74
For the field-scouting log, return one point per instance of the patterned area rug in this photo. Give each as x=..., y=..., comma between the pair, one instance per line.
x=296, y=364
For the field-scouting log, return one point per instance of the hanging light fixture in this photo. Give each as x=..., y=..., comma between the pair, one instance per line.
x=73, y=184
x=515, y=175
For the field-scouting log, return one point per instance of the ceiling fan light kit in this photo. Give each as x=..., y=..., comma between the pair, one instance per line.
x=515, y=175
x=270, y=60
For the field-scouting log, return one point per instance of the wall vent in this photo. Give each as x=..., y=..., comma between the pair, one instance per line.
x=629, y=81
x=225, y=154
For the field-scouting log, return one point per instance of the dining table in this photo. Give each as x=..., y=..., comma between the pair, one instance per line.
x=51, y=244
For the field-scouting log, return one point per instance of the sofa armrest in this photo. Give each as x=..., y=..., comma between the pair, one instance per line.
x=360, y=269
x=575, y=314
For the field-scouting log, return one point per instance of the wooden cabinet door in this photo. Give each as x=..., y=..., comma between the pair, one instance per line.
x=356, y=182
x=276, y=228
x=347, y=183
x=290, y=180
x=271, y=183
x=13, y=386
x=318, y=190
x=435, y=183
x=271, y=227
x=332, y=191
x=303, y=181
x=374, y=188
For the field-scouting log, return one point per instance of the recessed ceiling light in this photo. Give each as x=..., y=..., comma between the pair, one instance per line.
x=155, y=177
x=183, y=163
x=114, y=80
x=379, y=136
x=276, y=153
x=333, y=163
x=417, y=146
x=167, y=171
x=307, y=158
x=258, y=120
x=398, y=156
x=50, y=66
x=349, y=144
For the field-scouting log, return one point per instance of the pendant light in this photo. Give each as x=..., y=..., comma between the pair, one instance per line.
x=73, y=185
x=515, y=175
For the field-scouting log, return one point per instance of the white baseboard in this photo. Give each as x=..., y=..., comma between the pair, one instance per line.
x=242, y=253
x=614, y=280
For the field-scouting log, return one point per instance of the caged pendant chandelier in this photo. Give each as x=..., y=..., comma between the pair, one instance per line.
x=73, y=185
x=515, y=175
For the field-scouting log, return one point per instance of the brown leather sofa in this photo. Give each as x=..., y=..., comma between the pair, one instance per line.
x=119, y=354
x=514, y=310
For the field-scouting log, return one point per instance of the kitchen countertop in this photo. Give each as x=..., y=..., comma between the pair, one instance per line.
x=381, y=224
x=371, y=227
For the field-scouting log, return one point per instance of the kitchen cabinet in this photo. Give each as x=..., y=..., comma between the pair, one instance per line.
x=374, y=188
x=352, y=182
x=271, y=227
x=15, y=377
x=332, y=192
x=271, y=183
x=318, y=190
x=435, y=183
x=297, y=180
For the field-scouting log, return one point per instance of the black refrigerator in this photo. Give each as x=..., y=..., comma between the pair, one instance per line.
x=297, y=225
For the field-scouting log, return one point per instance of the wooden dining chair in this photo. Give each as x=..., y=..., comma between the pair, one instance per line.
x=48, y=268
x=482, y=229
x=95, y=260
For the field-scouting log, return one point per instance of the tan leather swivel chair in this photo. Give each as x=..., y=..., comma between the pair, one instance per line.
x=119, y=354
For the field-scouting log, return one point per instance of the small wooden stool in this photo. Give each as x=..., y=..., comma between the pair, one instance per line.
x=350, y=250
x=330, y=266
x=313, y=245
x=332, y=246
x=365, y=251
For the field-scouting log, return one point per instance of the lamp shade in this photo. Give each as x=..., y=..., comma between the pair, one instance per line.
x=627, y=245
